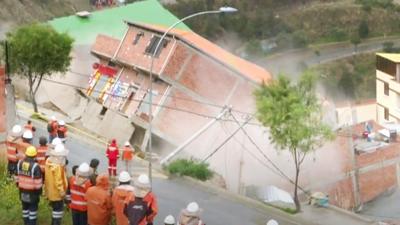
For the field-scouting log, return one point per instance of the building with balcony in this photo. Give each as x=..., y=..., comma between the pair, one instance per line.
x=388, y=87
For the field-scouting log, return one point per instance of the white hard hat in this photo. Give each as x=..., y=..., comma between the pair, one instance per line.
x=124, y=177
x=272, y=222
x=59, y=150
x=169, y=220
x=53, y=118
x=56, y=141
x=193, y=207
x=127, y=143
x=84, y=170
x=27, y=134
x=143, y=181
x=16, y=130
x=62, y=122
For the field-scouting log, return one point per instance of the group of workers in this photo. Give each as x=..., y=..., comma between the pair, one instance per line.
x=92, y=198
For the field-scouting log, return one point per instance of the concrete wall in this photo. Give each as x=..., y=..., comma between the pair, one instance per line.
x=111, y=125
x=391, y=101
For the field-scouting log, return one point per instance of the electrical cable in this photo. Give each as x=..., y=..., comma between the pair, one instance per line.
x=175, y=97
x=154, y=104
x=268, y=159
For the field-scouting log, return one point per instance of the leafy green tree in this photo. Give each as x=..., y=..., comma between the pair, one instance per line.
x=355, y=40
x=363, y=29
x=38, y=51
x=293, y=114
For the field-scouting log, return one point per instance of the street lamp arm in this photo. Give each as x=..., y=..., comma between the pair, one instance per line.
x=176, y=24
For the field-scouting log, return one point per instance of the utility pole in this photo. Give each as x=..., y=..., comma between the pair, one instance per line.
x=194, y=136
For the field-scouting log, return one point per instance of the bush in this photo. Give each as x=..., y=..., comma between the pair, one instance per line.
x=184, y=167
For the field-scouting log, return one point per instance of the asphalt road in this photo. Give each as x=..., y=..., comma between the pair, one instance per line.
x=293, y=62
x=175, y=194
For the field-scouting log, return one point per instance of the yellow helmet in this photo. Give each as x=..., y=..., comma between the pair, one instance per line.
x=31, y=151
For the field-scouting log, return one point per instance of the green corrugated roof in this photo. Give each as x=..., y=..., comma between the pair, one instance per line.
x=111, y=21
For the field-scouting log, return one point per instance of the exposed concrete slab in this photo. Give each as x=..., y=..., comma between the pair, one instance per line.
x=110, y=125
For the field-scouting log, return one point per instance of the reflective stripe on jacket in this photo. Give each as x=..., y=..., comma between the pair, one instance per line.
x=78, y=201
x=11, y=144
x=29, y=175
x=41, y=156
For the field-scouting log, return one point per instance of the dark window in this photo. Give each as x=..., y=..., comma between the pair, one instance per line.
x=386, y=114
x=112, y=64
x=386, y=88
x=153, y=44
x=103, y=111
x=137, y=38
x=385, y=65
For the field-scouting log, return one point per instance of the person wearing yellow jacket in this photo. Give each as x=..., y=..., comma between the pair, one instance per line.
x=56, y=182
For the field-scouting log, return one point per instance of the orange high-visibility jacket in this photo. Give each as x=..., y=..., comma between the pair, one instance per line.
x=127, y=153
x=11, y=144
x=118, y=199
x=99, y=206
x=41, y=156
x=78, y=201
x=29, y=175
x=21, y=148
x=151, y=201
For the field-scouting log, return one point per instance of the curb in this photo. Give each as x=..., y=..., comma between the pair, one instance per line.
x=248, y=201
x=351, y=214
x=261, y=205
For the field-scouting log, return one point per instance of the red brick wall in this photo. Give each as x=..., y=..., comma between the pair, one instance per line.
x=390, y=152
x=135, y=54
x=341, y=194
x=376, y=182
x=208, y=78
x=175, y=63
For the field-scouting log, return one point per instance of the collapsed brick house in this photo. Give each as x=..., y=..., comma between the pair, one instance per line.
x=193, y=79
x=190, y=74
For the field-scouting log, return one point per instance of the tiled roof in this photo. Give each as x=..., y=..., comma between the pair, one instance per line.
x=243, y=67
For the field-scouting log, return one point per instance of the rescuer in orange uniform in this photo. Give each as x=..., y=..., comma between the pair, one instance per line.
x=99, y=206
x=141, y=206
x=112, y=153
x=127, y=155
x=78, y=186
x=62, y=131
x=52, y=128
x=41, y=152
x=56, y=182
x=30, y=183
x=26, y=142
x=11, y=143
x=121, y=192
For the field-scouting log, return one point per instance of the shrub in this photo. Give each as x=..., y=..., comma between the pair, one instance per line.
x=184, y=167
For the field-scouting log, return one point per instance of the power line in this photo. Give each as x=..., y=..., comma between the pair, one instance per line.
x=172, y=96
x=141, y=101
x=266, y=157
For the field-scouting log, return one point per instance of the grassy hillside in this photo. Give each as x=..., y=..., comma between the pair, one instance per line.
x=294, y=23
x=25, y=11
x=349, y=78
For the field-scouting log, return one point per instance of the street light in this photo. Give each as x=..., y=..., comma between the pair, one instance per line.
x=225, y=9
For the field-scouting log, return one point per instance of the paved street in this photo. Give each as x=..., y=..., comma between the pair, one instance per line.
x=174, y=194
x=293, y=62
